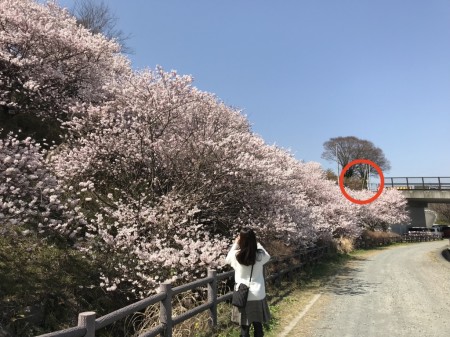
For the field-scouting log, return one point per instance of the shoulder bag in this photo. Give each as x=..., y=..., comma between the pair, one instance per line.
x=240, y=295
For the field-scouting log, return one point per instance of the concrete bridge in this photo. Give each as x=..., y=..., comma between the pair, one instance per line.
x=420, y=191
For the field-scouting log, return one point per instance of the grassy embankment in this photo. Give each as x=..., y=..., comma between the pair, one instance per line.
x=44, y=286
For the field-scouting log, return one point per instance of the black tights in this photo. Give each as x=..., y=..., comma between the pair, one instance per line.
x=257, y=326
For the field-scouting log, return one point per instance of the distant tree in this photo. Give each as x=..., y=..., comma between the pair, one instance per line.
x=343, y=150
x=355, y=183
x=97, y=17
x=330, y=175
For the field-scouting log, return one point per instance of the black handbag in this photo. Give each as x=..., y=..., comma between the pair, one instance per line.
x=240, y=295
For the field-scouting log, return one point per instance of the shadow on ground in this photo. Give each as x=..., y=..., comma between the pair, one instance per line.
x=338, y=275
x=348, y=282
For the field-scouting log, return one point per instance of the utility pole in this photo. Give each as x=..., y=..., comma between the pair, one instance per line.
x=337, y=161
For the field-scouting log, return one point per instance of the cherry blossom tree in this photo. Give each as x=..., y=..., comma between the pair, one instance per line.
x=151, y=173
x=47, y=63
x=389, y=208
x=170, y=174
x=31, y=199
x=332, y=214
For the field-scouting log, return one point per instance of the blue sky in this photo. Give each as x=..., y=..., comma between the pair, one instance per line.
x=306, y=71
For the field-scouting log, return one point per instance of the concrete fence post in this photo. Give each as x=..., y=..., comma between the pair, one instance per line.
x=212, y=296
x=165, y=311
x=87, y=321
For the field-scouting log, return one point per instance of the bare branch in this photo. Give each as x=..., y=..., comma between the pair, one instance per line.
x=96, y=16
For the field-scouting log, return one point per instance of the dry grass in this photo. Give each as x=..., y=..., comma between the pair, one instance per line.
x=345, y=245
x=372, y=239
x=199, y=325
x=378, y=235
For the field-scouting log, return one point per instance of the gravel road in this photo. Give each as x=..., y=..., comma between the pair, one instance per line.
x=400, y=291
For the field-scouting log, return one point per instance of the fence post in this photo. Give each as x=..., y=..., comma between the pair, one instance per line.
x=87, y=321
x=212, y=296
x=165, y=309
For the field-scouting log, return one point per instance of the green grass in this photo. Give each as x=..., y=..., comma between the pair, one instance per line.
x=44, y=286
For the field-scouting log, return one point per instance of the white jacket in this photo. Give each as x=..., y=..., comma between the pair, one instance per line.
x=257, y=289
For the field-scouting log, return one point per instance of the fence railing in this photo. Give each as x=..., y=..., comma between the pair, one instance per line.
x=405, y=238
x=88, y=324
x=417, y=183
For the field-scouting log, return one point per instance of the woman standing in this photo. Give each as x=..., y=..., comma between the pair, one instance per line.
x=245, y=253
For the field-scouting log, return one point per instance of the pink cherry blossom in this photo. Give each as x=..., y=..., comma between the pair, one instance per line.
x=152, y=173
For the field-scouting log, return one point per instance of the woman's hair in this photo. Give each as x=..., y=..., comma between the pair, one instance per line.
x=247, y=247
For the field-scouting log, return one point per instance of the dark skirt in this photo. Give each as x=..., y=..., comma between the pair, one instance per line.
x=254, y=311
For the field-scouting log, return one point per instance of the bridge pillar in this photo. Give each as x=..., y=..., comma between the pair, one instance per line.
x=417, y=213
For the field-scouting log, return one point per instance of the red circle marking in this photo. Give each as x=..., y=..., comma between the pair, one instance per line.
x=361, y=161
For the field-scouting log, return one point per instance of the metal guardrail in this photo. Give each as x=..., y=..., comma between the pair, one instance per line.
x=417, y=183
x=88, y=324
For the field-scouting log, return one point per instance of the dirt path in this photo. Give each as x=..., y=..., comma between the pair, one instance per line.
x=401, y=291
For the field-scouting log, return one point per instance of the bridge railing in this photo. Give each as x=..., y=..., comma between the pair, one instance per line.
x=417, y=183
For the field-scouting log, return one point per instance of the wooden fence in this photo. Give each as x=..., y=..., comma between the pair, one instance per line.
x=278, y=267
x=88, y=323
x=366, y=243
